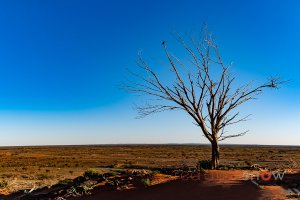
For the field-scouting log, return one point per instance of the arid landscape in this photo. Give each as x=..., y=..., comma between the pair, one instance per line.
x=149, y=100
x=33, y=168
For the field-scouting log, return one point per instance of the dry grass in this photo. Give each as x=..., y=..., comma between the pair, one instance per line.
x=28, y=167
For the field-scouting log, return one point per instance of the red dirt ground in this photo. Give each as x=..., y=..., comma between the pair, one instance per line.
x=216, y=185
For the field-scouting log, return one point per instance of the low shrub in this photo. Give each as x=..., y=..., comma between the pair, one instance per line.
x=155, y=172
x=92, y=174
x=146, y=182
x=248, y=163
x=204, y=164
x=65, y=182
x=43, y=176
x=3, y=184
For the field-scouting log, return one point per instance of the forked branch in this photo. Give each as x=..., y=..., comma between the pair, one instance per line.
x=203, y=88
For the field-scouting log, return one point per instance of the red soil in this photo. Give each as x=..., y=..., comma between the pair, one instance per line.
x=214, y=185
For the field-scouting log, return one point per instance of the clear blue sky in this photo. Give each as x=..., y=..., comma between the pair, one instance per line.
x=62, y=61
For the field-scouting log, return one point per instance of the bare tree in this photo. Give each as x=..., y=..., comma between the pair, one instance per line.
x=202, y=87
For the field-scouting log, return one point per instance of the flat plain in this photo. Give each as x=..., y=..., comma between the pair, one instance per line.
x=33, y=167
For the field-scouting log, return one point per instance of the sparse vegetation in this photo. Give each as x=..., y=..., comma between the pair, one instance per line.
x=65, y=181
x=248, y=162
x=205, y=164
x=146, y=182
x=43, y=176
x=44, y=167
x=92, y=174
x=3, y=184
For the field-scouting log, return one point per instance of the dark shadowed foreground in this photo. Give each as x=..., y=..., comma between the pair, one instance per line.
x=210, y=185
x=222, y=185
x=183, y=190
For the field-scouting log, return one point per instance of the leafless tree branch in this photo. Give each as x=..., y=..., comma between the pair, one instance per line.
x=203, y=88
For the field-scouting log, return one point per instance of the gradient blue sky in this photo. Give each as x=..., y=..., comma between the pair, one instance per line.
x=62, y=61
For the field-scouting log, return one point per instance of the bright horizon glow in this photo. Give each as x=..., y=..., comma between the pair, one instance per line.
x=61, y=64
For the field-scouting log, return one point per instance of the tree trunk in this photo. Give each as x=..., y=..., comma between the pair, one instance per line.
x=215, y=154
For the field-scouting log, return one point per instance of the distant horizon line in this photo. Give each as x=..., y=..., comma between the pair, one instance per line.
x=147, y=144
